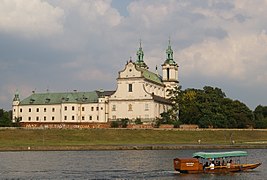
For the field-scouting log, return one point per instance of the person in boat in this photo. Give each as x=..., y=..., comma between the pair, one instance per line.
x=229, y=164
x=223, y=163
x=212, y=165
x=206, y=165
x=218, y=163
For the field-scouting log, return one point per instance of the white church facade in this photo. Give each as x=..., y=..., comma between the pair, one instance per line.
x=140, y=94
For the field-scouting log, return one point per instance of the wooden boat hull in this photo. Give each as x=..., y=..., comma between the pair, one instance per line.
x=192, y=165
x=233, y=168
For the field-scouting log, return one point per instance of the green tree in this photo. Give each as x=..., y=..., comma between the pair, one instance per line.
x=5, y=118
x=210, y=107
x=138, y=121
x=175, y=98
x=123, y=123
x=260, y=114
x=114, y=124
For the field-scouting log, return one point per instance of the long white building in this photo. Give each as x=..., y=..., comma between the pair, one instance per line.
x=140, y=94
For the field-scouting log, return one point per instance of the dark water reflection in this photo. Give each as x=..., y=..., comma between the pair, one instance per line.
x=132, y=164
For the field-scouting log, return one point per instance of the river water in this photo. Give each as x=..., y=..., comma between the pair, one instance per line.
x=129, y=164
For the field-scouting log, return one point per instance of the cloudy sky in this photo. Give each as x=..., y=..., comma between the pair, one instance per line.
x=81, y=45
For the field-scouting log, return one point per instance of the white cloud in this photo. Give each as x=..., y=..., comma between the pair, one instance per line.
x=86, y=23
x=100, y=12
x=240, y=55
x=94, y=15
x=30, y=18
x=239, y=58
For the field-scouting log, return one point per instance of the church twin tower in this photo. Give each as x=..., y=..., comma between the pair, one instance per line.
x=169, y=67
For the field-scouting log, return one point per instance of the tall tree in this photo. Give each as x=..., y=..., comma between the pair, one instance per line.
x=174, y=96
x=210, y=107
x=260, y=114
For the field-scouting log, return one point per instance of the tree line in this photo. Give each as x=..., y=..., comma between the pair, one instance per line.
x=210, y=108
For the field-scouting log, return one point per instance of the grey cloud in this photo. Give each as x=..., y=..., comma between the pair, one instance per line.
x=99, y=48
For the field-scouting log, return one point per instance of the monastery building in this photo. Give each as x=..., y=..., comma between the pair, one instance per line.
x=140, y=94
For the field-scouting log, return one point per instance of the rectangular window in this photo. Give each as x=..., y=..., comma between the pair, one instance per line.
x=44, y=118
x=97, y=108
x=44, y=109
x=53, y=109
x=20, y=110
x=53, y=118
x=37, y=118
x=82, y=117
x=90, y=118
x=130, y=88
x=29, y=118
x=92, y=108
x=82, y=108
x=73, y=108
x=146, y=107
x=113, y=107
x=65, y=118
x=66, y=108
x=30, y=110
x=97, y=117
x=130, y=107
x=72, y=118
x=37, y=109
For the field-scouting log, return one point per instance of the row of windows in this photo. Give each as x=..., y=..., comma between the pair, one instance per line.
x=65, y=118
x=65, y=108
x=130, y=107
x=83, y=108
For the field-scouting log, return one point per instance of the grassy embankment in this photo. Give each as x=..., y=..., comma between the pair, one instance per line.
x=78, y=139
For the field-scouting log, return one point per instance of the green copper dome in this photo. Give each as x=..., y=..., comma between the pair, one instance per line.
x=140, y=58
x=16, y=98
x=169, y=54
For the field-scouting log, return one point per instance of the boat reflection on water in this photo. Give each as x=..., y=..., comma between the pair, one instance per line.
x=214, y=162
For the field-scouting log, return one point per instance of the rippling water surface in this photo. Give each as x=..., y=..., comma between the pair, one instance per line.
x=131, y=164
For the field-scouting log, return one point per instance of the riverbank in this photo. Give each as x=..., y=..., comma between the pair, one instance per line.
x=129, y=147
x=129, y=139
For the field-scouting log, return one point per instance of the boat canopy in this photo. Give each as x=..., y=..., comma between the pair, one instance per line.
x=207, y=155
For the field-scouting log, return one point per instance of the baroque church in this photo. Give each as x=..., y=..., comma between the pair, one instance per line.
x=140, y=94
